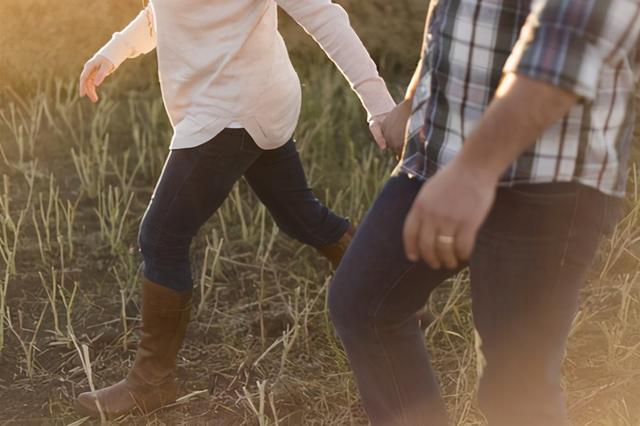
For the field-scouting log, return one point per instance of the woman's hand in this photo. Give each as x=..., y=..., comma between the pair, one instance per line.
x=375, y=127
x=93, y=74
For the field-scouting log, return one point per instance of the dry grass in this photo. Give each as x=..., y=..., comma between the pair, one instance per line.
x=75, y=180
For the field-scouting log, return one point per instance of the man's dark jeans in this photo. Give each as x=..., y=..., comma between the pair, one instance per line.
x=195, y=182
x=529, y=263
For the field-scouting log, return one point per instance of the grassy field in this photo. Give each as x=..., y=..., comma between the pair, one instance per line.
x=75, y=179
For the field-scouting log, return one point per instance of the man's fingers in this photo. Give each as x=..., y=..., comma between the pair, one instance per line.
x=410, y=234
x=427, y=240
x=445, y=246
x=465, y=241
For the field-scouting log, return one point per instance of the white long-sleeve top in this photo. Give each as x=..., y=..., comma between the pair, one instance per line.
x=222, y=62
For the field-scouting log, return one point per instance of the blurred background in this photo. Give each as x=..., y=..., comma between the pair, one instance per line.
x=42, y=39
x=75, y=179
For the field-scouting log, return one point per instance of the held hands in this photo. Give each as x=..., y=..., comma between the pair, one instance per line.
x=394, y=125
x=443, y=223
x=388, y=129
x=375, y=127
x=93, y=74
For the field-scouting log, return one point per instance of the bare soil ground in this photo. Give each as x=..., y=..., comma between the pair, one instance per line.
x=76, y=178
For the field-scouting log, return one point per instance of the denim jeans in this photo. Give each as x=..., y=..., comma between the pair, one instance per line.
x=527, y=268
x=194, y=183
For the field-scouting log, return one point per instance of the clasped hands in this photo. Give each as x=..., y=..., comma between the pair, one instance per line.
x=443, y=222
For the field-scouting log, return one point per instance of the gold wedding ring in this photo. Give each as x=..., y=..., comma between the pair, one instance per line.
x=445, y=239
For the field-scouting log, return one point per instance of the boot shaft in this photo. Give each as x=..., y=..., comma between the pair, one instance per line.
x=165, y=316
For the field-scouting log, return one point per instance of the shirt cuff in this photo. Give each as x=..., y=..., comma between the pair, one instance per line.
x=116, y=50
x=561, y=56
x=375, y=97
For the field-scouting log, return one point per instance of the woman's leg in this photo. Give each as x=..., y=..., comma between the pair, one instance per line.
x=193, y=184
x=279, y=181
x=373, y=300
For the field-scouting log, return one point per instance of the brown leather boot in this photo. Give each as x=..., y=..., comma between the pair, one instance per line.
x=334, y=252
x=150, y=383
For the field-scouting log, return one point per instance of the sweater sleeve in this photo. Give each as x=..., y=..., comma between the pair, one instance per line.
x=329, y=25
x=137, y=38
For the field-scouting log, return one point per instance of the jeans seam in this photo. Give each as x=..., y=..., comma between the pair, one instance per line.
x=570, y=231
x=173, y=199
x=380, y=342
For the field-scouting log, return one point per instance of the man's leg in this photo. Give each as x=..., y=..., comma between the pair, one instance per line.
x=373, y=301
x=279, y=181
x=530, y=261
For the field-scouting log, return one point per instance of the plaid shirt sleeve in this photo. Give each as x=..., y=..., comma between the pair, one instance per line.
x=567, y=43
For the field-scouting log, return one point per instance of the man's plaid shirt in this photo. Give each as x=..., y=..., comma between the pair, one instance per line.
x=589, y=47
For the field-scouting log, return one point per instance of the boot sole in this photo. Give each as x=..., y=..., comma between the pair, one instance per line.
x=88, y=412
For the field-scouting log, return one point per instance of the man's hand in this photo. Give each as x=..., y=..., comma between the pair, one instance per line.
x=450, y=208
x=443, y=223
x=93, y=74
x=394, y=126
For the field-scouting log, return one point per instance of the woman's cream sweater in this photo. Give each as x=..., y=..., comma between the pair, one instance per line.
x=224, y=61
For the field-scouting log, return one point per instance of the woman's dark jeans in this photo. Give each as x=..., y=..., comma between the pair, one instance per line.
x=529, y=263
x=195, y=182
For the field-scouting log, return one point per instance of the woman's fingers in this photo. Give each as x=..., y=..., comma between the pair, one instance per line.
x=93, y=75
x=91, y=91
x=83, y=80
x=90, y=88
x=376, y=131
x=104, y=70
x=87, y=87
